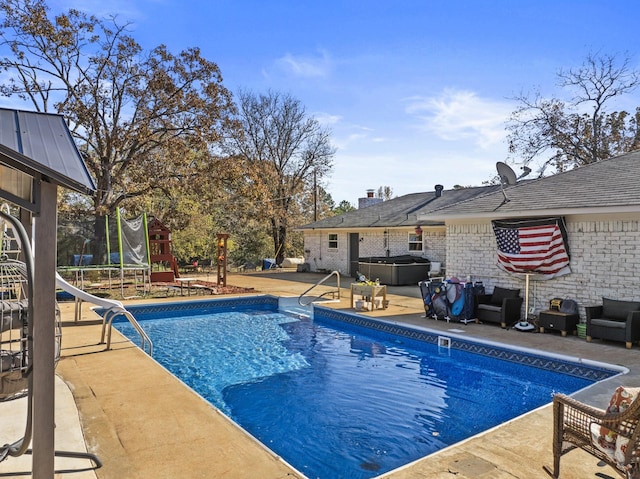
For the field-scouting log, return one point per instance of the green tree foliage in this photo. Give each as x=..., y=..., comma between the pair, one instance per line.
x=581, y=130
x=138, y=117
x=343, y=207
x=281, y=149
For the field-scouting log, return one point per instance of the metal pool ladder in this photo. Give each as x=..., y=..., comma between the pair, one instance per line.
x=107, y=321
x=333, y=293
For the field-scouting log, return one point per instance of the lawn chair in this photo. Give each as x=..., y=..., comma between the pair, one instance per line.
x=611, y=435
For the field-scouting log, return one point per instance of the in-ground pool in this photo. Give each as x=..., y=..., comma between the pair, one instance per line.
x=343, y=395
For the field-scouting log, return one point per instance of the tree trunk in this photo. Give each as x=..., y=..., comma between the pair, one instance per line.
x=280, y=244
x=99, y=243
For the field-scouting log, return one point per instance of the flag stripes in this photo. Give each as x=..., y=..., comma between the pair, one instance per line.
x=532, y=246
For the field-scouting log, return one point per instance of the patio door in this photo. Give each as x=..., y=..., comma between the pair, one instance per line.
x=354, y=253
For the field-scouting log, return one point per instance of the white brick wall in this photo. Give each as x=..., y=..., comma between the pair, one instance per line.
x=605, y=259
x=373, y=243
x=320, y=257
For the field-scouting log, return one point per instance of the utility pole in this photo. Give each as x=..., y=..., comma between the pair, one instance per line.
x=315, y=197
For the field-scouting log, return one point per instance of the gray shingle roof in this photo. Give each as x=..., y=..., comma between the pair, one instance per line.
x=400, y=211
x=611, y=185
x=43, y=145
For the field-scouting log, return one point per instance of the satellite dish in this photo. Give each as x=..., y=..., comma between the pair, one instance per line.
x=506, y=174
x=525, y=171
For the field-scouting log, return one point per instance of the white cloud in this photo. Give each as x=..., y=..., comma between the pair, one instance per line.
x=344, y=142
x=306, y=66
x=327, y=118
x=462, y=115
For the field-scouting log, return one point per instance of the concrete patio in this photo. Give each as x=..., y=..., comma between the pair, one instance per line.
x=143, y=423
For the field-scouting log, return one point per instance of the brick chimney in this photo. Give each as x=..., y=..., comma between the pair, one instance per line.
x=369, y=200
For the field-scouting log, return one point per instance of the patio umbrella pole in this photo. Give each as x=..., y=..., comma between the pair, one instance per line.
x=525, y=325
x=526, y=298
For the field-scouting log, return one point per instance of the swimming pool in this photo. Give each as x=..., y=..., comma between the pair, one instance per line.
x=343, y=395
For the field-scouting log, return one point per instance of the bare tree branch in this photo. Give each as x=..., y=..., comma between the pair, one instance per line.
x=569, y=134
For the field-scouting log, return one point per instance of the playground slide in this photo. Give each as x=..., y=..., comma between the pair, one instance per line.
x=84, y=296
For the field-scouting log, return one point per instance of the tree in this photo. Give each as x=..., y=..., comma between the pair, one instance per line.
x=282, y=149
x=343, y=207
x=142, y=120
x=581, y=130
x=385, y=192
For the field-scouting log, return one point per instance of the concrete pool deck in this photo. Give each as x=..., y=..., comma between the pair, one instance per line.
x=143, y=423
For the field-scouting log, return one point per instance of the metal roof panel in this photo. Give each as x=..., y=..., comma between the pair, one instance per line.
x=46, y=139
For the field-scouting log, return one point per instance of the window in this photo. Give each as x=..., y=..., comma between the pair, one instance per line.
x=333, y=240
x=415, y=242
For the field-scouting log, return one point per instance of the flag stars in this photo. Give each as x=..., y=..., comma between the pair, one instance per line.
x=508, y=240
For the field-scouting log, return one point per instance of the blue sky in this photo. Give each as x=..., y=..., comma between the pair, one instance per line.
x=415, y=92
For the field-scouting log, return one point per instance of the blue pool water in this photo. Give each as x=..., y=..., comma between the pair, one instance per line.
x=336, y=399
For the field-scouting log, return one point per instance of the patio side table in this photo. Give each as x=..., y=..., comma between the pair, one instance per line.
x=369, y=291
x=557, y=321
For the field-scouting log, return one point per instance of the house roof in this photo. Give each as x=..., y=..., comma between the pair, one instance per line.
x=40, y=144
x=604, y=187
x=402, y=211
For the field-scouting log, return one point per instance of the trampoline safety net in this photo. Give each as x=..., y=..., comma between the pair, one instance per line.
x=109, y=241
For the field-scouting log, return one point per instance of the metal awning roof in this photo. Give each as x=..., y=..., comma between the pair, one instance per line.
x=40, y=145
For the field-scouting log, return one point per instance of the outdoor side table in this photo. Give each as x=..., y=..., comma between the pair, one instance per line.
x=557, y=321
x=370, y=291
x=182, y=281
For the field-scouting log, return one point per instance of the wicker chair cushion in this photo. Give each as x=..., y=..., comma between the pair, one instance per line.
x=612, y=444
x=618, y=310
x=501, y=293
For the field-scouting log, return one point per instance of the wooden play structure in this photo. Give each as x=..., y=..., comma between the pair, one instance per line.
x=222, y=258
x=160, y=253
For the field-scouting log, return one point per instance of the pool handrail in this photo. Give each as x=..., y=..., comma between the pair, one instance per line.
x=107, y=326
x=113, y=308
x=336, y=273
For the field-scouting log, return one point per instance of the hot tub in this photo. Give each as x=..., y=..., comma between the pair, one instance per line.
x=395, y=270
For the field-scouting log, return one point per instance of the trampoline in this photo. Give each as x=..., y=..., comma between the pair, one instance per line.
x=116, y=249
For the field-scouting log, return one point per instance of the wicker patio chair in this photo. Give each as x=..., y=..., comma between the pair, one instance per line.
x=578, y=425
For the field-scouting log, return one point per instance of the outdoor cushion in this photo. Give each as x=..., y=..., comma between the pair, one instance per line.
x=618, y=310
x=609, y=442
x=609, y=323
x=501, y=293
x=489, y=307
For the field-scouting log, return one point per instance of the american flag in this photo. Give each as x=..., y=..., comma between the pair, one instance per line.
x=533, y=246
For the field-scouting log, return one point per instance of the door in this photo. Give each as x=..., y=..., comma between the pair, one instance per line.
x=354, y=253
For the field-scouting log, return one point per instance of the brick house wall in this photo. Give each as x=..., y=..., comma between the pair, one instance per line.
x=605, y=257
x=378, y=242
x=320, y=257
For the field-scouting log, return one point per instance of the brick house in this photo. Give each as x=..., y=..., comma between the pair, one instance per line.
x=383, y=229
x=600, y=204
